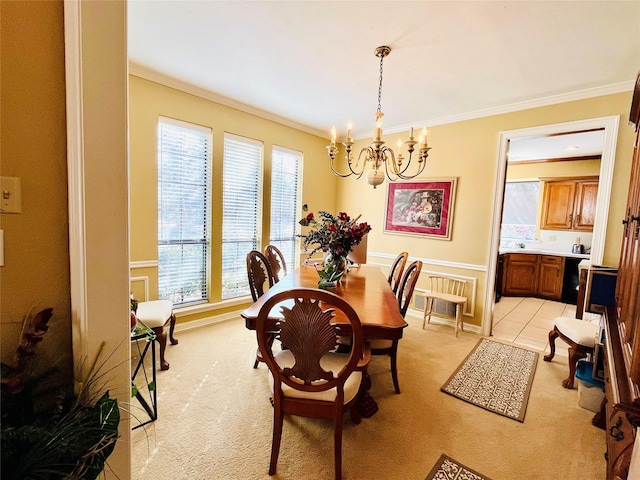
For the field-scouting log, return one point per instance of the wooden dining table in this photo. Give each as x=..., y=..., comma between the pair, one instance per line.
x=365, y=288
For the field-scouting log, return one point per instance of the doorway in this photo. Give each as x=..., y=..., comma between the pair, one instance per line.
x=610, y=126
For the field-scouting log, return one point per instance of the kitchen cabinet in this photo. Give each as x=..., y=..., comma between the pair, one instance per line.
x=533, y=275
x=569, y=204
x=520, y=275
x=550, y=277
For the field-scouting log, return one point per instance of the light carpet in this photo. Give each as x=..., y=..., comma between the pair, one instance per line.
x=215, y=419
x=496, y=377
x=446, y=468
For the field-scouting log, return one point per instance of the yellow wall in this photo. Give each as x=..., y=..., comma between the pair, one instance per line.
x=149, y=101
x=468, y=150
x=35, y=274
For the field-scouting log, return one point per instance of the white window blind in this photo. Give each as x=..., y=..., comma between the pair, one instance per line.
x=241, y=211
x=183, y=211
x=285, y=201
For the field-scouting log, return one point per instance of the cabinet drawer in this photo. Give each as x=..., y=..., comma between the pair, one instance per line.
x=551, y=259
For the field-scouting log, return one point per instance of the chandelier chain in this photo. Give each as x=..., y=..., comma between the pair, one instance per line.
x=380, y=86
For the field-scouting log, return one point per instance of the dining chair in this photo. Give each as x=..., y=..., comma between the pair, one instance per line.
x=260, y=278
x=276, y=262
x=309, y=378
x=157, y=315
x=404, y=294
x=447, y=289
x=581, y=337
x=395, y=273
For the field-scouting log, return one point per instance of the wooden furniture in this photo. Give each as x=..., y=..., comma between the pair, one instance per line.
x=520, y=277
x=395, y=272
x=404, y=293
x=582, y=289
x=533, y=275
x=569, y=204
x=449, y=290
x=157, y=315
x=308, y=378
x=276, y=262
x=550, y=276
x=581, y=337
x=365, y=288
x=261, y=278
x=622, y=330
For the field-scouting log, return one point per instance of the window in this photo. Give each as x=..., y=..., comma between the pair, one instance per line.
x=520, y=210
x=183, y=241
x=242, y=191
x=285, y=199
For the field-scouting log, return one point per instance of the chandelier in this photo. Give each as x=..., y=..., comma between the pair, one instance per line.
x=378, y=154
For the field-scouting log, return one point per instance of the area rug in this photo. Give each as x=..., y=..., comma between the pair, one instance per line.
x=446, y=468
x=496, y=377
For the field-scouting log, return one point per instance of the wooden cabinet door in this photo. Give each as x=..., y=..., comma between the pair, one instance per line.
x=550, y=277
x=585, y=205
x=557, y=205
x=520, y=274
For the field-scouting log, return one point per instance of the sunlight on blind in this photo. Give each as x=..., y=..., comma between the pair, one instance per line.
x=242, y=190
x=286, y=168
x=183, y=169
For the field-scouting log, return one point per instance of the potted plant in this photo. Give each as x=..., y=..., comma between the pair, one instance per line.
x=53, y=433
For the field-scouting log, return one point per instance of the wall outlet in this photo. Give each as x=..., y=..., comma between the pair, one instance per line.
x=552, y=238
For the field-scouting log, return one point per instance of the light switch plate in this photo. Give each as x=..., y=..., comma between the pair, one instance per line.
x=10, y=195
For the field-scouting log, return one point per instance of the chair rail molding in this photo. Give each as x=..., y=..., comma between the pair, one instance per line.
x=143, y=264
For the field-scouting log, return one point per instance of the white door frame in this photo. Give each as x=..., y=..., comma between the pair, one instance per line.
x=610, y=125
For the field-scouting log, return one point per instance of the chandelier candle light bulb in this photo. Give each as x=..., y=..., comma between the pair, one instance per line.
x=378, y=154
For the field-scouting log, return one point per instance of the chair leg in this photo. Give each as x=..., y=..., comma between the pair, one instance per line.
x=338, y=442
x=161, y=338
x=426, y=318
x=270, y=340
x=574, y=356
x=553, y=334
x=278, y=418
x=394, y=365
x=172, y=326
x=459, y=320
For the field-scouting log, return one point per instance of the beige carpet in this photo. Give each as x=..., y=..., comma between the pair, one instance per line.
x=215, y=419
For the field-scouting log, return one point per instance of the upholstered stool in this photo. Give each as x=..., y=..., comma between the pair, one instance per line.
x=157, y=314
x=581, y=337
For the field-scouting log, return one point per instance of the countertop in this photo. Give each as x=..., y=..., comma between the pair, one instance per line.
x=545, y=252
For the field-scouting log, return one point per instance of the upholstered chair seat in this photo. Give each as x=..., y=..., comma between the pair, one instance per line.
x=157, y=314
x=580, y=335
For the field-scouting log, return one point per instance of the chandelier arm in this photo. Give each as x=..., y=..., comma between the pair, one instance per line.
x=344, y=175
x=409, y=177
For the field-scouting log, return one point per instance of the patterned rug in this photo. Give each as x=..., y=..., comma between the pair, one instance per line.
x=496, y=377
x=446, y=468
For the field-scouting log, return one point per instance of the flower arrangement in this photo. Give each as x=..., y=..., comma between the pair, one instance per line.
x=335, y=235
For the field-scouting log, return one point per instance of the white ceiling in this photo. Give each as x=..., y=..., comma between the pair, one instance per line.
x=311, y=63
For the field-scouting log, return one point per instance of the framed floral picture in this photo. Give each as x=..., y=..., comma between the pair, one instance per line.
x=421, y=208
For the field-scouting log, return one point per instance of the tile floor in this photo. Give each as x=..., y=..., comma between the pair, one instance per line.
x=527, y=321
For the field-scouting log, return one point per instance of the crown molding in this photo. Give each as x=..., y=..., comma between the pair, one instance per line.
x=157, y=77
x=514, y=107
x=167, y=81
